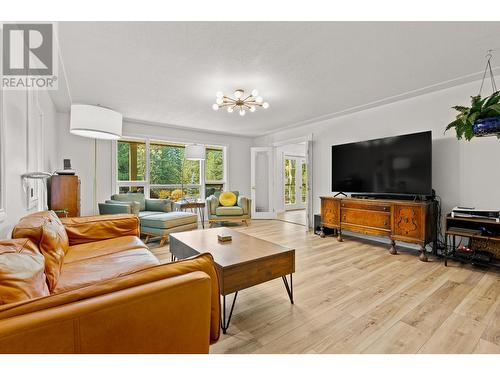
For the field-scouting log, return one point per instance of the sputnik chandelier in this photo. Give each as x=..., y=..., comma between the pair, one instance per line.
x=240, y=102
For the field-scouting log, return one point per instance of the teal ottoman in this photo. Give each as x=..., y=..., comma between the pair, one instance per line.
x=161, y=224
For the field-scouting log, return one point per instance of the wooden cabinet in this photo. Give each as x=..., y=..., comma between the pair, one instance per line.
x=399, y=220
x=64, y=192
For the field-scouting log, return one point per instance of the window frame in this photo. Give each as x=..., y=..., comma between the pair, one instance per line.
x=146, y=183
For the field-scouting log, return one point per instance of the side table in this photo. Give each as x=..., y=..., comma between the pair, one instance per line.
x=193, y=206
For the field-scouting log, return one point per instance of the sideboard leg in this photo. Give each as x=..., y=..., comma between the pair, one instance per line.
x=339, y=236
x=392, y=249
x=423, y=254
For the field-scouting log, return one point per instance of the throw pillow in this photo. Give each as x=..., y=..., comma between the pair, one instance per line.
x=227, y=199
x=22, y=275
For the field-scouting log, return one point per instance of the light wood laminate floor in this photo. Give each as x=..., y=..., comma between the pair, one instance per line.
x=354, y=297
x=293, y=216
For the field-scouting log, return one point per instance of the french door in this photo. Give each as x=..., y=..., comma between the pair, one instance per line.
x=262, y=177
x=295, y=182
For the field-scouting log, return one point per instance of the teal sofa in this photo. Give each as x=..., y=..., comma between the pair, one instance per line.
x=157, y=216
x=240, y=212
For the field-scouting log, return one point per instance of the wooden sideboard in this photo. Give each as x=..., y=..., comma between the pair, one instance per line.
x=64, y=192
x=399, y=220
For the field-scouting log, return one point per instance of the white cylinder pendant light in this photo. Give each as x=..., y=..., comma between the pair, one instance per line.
x=95, y=122
x=195, y=152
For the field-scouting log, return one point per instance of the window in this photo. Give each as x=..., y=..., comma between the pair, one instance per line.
x=170, y=173
x=214, y=171
x=159, y=170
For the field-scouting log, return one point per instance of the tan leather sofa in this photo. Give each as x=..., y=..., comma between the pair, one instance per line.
x=89, y=285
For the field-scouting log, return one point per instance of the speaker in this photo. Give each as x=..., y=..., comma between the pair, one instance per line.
x=317, y=226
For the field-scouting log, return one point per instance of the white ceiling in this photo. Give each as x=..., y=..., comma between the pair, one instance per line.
x=169, y=72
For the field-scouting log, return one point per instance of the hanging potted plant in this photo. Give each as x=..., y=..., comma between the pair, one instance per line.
x=482, y=118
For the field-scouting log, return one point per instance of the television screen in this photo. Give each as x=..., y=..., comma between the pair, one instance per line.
x=394, y=165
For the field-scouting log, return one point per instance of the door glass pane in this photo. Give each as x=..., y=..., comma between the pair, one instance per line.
x=304, y=182
x=290, y=183
x=262, y=182
x=131, y=161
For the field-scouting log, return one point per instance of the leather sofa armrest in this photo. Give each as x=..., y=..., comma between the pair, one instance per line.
x=96, y=228
x=202, y=262
x=166, y=316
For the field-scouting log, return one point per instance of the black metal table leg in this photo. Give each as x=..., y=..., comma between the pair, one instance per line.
x=288, y=287
x=202, y=216
x=225, y=324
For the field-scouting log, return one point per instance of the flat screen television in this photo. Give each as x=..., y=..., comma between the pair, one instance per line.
x=400, y=165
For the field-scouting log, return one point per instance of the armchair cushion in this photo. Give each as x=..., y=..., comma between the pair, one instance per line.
x=229, y=211
x=162, y=205
x=22, y=271
x=131, y=197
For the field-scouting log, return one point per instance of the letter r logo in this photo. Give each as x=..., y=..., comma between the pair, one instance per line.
x=27, y=49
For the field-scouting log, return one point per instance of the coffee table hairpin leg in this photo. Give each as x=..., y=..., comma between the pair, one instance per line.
x=289, y=287
x=225, y=324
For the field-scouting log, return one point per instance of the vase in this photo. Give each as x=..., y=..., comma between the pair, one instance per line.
x=486, y=126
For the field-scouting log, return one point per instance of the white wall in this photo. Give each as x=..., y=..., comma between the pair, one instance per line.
x=18, y=108
x=463, y=173
x=81, y=152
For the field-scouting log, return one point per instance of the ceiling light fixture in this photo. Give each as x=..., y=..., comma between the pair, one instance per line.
x=240, y=101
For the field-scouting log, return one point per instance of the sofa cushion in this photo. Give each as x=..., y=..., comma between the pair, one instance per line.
x=22, y=271
x=104, y=247
x=131, y=197
x=148, y=213
x=169, y=219
x=92, y=270
x=159, y=205
x=229, y=211
x=46, y=230
x=228, y=199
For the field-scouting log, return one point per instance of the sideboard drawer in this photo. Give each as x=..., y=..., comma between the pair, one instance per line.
x=373, y=219
x=370, y=206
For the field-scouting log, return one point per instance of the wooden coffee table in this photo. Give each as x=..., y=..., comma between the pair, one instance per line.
x=244, y=262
